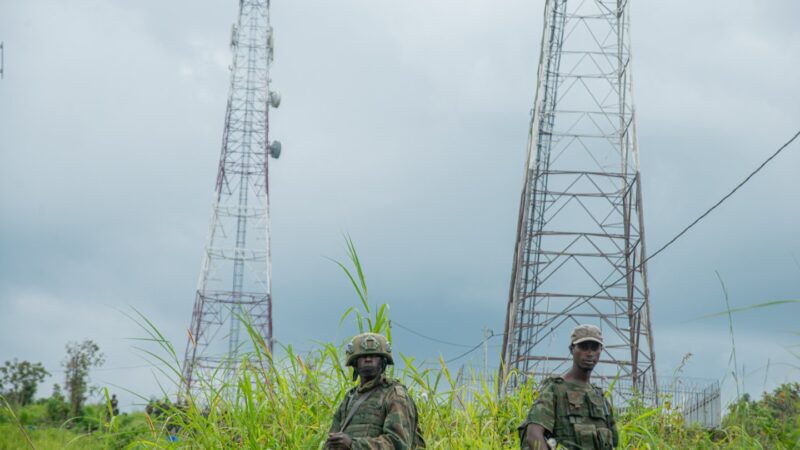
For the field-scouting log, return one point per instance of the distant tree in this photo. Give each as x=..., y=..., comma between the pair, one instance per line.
x=18, y=380
x=57, y=407
x=80, y=358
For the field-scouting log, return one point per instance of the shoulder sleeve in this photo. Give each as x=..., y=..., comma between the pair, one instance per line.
x=543, y=411
x=399, y=425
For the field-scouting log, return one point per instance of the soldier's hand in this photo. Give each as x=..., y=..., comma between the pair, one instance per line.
x=534, y=437
x=339, y=441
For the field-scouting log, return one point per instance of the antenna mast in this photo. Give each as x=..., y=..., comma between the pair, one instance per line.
x=235, y=277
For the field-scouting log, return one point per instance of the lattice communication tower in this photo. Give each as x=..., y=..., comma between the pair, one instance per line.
x=235, y=278
x=580, y=239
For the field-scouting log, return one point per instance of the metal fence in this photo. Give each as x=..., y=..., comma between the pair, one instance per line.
x=698, y=400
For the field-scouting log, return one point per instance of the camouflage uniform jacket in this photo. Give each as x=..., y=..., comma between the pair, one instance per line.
x=386, y=420
x=575, y=414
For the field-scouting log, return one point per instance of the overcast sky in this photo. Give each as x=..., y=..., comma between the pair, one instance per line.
x=403, y=124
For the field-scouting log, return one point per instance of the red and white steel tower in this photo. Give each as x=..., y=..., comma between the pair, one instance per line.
x=580, y=249
x=235, y=277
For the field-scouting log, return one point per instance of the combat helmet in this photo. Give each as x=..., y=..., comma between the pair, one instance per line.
x=368, y=344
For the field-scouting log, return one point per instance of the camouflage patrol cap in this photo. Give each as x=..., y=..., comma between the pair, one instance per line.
x=368, y=344
x=586, y=332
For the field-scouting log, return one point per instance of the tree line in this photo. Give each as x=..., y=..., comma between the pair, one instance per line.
x=19, y=380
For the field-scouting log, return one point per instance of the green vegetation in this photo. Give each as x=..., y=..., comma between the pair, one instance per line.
x=774, y=420
x=35, y=426
x=288, y=403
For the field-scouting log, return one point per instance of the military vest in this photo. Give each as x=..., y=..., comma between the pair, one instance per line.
x=583, y=418
x=369, y=419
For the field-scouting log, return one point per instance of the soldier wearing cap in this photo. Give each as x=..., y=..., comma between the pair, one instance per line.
x=570, y=411
x=378, y=414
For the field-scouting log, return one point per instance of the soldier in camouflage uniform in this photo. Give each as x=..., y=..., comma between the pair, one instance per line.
x=570, y=411
x=378, y=414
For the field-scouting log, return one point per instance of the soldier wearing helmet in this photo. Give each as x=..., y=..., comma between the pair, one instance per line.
x=570, y=411
x=378, y=413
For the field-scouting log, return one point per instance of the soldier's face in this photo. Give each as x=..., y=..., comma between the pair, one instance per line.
x=368, y=366
x=586, y=354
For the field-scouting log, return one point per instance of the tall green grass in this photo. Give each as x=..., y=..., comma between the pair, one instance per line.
x=287, y=402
